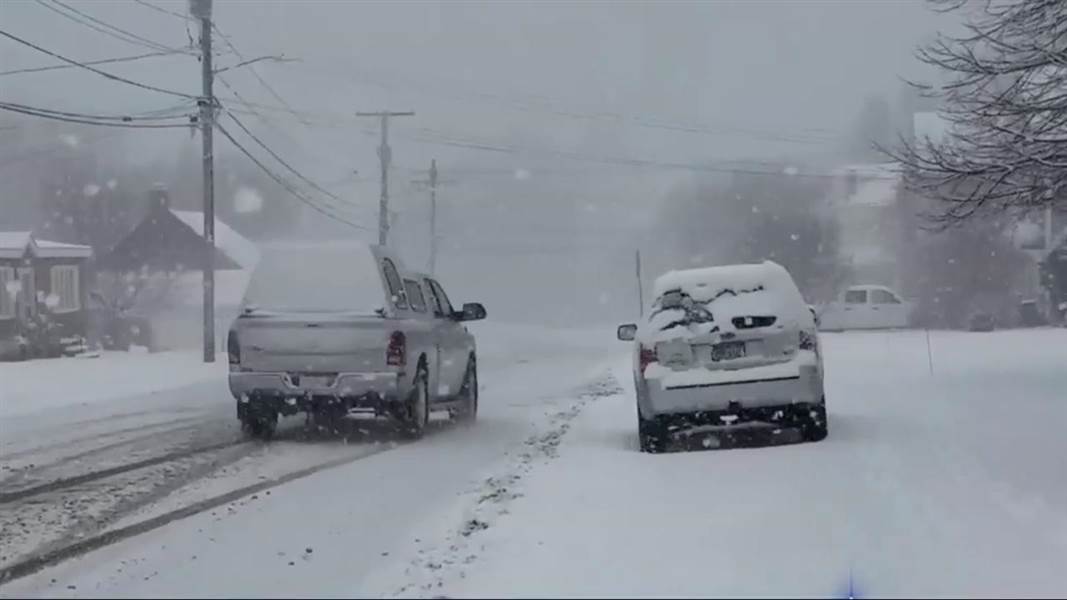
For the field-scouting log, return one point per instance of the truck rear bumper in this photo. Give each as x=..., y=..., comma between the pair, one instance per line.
x=254, y=386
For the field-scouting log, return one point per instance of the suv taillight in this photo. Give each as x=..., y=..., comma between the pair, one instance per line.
x=396, y=353
x=807, y=340
x=646, y=357
x=233, y=348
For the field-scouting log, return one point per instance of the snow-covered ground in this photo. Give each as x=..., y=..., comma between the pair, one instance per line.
x=950, y=483
x=77, y=383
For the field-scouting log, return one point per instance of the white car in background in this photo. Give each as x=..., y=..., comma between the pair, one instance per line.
x=724, y=349
x=866, y=307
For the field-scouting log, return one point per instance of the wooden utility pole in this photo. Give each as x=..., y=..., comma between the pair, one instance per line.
x=640, y=287
x=201, y=9
x=432, y=182
x=385, y=156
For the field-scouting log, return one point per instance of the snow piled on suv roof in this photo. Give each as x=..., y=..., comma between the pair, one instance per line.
x=761, y=289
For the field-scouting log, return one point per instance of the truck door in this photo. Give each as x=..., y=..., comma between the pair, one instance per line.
x=855, y=310
x=887, y=309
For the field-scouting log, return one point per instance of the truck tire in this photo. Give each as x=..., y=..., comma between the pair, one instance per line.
x=418, y=406
x=261, y=426
x=467, y=412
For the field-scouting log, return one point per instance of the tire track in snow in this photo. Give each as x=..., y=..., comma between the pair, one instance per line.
x=39, y=561
x=492, y=497
x=92, y=476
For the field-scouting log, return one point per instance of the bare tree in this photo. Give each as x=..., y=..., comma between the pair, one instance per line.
x=1004, y=150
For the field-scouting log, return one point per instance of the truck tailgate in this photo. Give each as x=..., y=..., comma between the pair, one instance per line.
x=313, y=343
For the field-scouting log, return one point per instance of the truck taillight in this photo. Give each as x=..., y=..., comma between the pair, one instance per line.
x=647, y=356
x=396, y=353
x=233, y=348
x=807, y=340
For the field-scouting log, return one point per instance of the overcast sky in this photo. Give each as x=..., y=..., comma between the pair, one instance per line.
x=471, y=70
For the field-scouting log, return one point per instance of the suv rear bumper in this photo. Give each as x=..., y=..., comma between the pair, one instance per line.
x=804, y=388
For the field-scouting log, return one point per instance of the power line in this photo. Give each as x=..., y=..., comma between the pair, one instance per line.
x=545, y=105
x=259, y=78
x=285, y=164
x=106, y=28
x=92, y=62
x=160, y=9
x=122, y=118
x=284, y=184
x=94, y=69
x=60, y=117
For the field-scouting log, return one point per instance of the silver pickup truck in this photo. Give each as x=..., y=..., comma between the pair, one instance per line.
x=330, y=329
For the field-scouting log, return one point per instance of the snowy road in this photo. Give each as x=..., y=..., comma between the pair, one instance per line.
x=944, y=484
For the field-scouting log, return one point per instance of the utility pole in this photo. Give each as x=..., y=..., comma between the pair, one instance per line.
x=432, y=183
x=433, y=215
x=201, y=9
x=640, y=286
x=385, y=156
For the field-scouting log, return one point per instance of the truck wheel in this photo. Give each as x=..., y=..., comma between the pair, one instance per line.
x=261, y=427
x=257, y=424
x=816, y=427
x=468, y=393
x=418, y=409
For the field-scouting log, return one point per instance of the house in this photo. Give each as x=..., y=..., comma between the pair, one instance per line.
x=863, y=199
x=1054, y=272
x=43, y=295
x=156, y=270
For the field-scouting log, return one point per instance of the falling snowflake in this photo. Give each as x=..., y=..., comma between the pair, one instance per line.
x=794, y=237
x=522, y=174
x=247, y=200
x=90, y=190
x=112, y=184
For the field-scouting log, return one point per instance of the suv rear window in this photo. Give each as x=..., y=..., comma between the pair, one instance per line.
x=418, y=301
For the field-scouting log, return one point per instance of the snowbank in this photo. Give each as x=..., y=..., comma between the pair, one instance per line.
x=39, y=385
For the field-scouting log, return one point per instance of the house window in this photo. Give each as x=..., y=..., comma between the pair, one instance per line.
x=7, y=296
x=65, y=296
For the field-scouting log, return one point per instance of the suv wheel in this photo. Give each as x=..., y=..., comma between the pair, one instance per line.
x=816, y=427
x=651, y=434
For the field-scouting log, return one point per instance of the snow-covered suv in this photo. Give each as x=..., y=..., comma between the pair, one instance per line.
x=725, y=348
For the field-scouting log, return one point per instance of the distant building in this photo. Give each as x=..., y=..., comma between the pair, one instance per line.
x=863, y=199
x=157, y=269
x=43, y=295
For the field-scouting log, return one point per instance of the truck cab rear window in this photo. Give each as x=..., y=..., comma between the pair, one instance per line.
x=396, y=288
x=415, y=296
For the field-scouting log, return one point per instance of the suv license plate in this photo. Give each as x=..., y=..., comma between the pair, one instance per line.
x=728, y=351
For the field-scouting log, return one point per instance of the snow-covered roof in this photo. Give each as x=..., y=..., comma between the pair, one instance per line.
x=15, y=244
x=236, y=246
